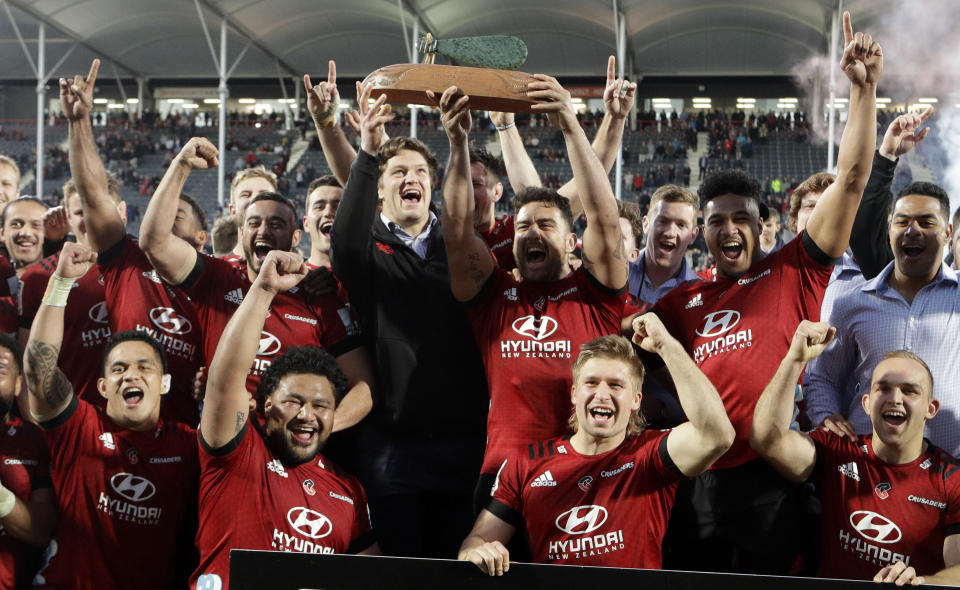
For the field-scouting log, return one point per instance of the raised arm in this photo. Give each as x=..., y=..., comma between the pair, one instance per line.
x=323, y=102
x=104, y=225
x=708, y=433
x=791, y=453
x=832, y=218
x=603, y=253
x=226, y=404
x=485, y=546
x=617, y=102
x=171, y=256
x=470, y=260
x=520, y=169
x=870, y=239
x=49, y=390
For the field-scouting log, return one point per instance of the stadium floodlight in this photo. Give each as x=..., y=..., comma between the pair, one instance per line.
x=115, y=105
x=344, y=105
x=927, y=100
x=133, y=100
x=247, y=101
x=211, y=101
x=190, y=105
x=789, y=99
x=101, y=100
x=176, y=100
x=884, y=100
x=742, y=99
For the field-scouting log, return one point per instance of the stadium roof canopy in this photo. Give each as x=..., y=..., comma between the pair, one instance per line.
x=165, y=39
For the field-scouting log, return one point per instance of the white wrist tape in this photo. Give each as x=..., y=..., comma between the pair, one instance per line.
x=7, y=501
x=58, y=289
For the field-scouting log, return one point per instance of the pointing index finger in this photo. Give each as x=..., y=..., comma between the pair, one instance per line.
x=611, y=69
x=847, y=28
x=332, y=72
x=925, y=114
x=94, y=68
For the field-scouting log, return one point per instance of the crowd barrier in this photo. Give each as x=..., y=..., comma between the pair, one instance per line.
x=274, y=570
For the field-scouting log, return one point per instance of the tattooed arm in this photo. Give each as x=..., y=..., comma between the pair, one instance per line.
x=227, y=403
x=50, y=391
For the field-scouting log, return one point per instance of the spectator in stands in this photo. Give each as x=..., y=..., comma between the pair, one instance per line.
x=870, y=243
x=638, y=468
x=528, y=392
x=247, y=184
x=910, y=305
x=126, y=497
x=28, y=508
x=704, y=164
x=9, y=180
x=265, y=468
x=890, y=486
x=770, y=240
x=421, y=453
x=224, y=235
x=323, y=198
x=706, y=532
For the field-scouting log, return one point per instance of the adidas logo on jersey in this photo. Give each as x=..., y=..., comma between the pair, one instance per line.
x=276, y=467
x=927, y=463
x=850, y=470
x=511, y=294
x=545, y=479
x=235, y=296
x=107, y=439
x=697, y=301
x=153, y=276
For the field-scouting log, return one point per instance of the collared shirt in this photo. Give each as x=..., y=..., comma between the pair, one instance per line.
x=643, y=289
x=419, y=244
x=872, y=319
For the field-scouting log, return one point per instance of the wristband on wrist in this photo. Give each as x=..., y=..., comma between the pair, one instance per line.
x=505, y=127
x=58, y=289
x=7, y=501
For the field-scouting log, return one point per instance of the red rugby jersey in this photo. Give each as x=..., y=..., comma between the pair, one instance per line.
x=121, y=496
x=139, y=300
x=875, y=513
x=9, y=315
x=500, y=241
x=601, y=510
x=86, y=324
x=24, y=467
x=738, y=330
x=295, y=319
x=313, y=507
x=529, y=334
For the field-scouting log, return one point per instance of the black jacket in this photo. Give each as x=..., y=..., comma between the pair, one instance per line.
x=870, y=238
x=430, y=377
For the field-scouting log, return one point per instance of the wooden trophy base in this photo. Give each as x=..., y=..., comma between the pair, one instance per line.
x=489, y=90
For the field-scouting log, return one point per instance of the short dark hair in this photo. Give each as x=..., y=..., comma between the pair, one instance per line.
x=631, y=212
x=493, y=164
x=926, y=189
x=300, y=360
x=732, y=181
x=325, y=180
x=133, y=336
x=539, y=194
x=27, y=199
x=197, y=210
x=395, y=145
x=10, y=343
x=276, y=198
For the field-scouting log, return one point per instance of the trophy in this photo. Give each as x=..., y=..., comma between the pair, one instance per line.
x=492, y=85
